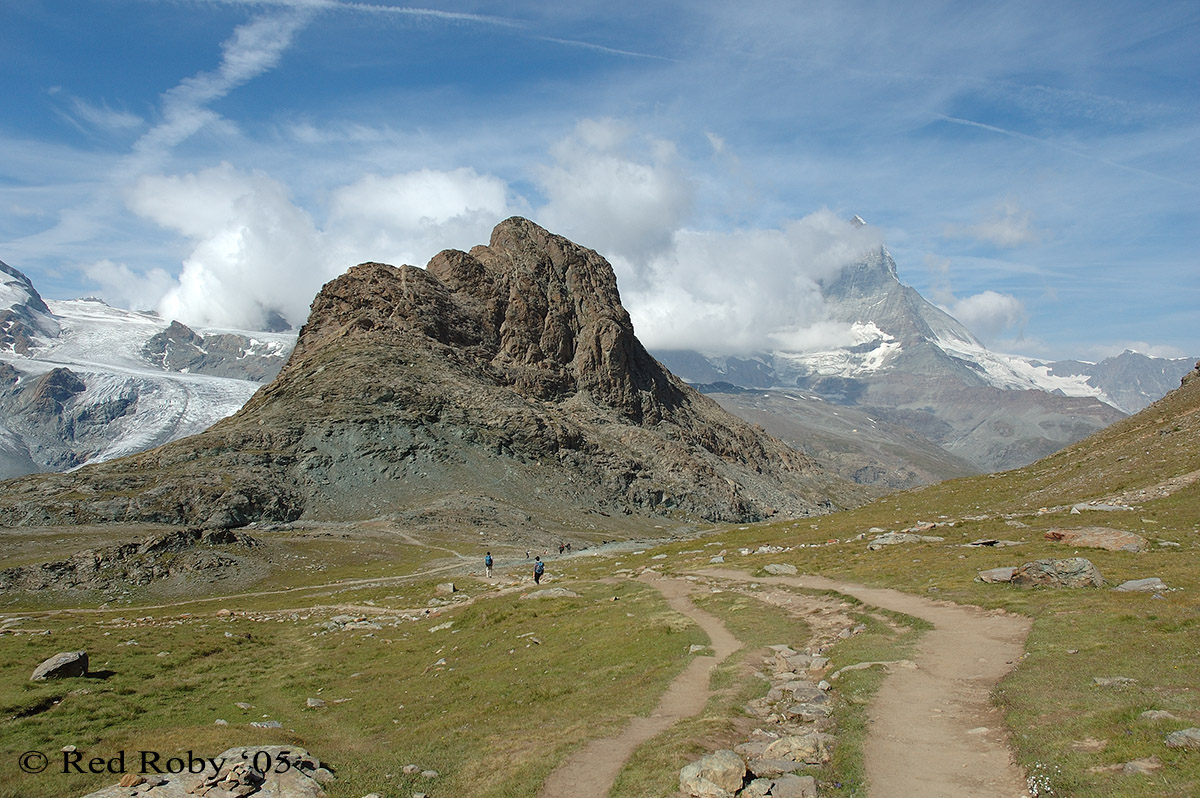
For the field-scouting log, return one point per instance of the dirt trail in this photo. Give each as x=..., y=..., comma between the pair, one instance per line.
x=591, y=771
x=934, y=731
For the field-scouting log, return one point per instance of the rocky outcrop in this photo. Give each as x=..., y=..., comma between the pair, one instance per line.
x=1098, y=537
x=180, y=348
x=186, y=552
x=509, y=373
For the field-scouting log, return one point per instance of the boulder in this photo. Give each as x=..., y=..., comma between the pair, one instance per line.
x=1073, y=572
x=811, y=749
x=62, y=666
x=238, y=775
x=1098, y=537
x=717, y=775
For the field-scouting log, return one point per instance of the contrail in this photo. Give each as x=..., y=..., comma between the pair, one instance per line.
x=1047, y=143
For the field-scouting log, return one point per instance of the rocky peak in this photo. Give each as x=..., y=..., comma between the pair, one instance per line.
x=543, y=312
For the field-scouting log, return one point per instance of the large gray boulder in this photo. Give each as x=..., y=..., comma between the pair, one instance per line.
x=1071, y=572
x=62, y=666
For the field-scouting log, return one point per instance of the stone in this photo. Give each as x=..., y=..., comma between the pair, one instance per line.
x=894, y=538
x=717, y=560
x=445, y=589
x=759, y=788
x=315, y=703
x=770, y=768
x=1141, y=767
x=551, y=592
x=237, y=777
x=131, y=780
x=1149, y=585
x=716, y=775
x=1113, y=681
x=994, y=576
x=790, y=785
x=1072, y=572
x=1098, y=537
x=1157, y=715
x=781, y=569
x=811, y=749
x=65, y=665
x=1184, y=738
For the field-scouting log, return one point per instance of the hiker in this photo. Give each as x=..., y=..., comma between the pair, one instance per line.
x=539, y=568
x=487, y=563
x=561, y=549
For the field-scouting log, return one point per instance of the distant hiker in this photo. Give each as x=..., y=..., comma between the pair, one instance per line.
x=487, y=563
x=539, y=568
x=568, y=545
x=561, y=549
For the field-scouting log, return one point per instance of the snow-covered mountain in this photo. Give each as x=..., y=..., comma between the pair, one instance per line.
x=914, y=364
x=84, y=382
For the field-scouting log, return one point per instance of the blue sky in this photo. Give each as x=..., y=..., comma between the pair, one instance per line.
x=1033, y=167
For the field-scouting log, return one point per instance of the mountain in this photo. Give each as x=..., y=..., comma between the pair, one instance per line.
x=506, y=381
x=914, y=365
x=84, y=382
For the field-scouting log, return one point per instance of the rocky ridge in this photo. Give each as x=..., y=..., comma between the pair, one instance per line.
x=510, y=373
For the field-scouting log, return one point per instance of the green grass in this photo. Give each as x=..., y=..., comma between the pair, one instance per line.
x=492, y=720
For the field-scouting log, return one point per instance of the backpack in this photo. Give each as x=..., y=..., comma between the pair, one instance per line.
x=539, y=568
x=488, y=561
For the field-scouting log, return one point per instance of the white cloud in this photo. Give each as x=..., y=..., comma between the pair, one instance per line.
x=747, y=291
x=619, y=193
x=1007, y=226
x=409, y=217
x=123, y=287
x=989, y=314
x=253, y=251
x=254, y=48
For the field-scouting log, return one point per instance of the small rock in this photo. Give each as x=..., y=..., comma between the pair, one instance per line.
x=894, y=538
x=314, y=703
x=429, y=774
x=1157, y=715
x=716, y=560
x=220, y=722
x=1113, y=681
x=411, y=769
x=1184, y=738
x=789, y=785
x=445, y=589
x=781, y=569
x=551, y=592
x=1149, y=585
x=65, y=665
x=1089, y=745
x=1141, y=767
x=243, y=705
x=266, y=724
x=996, y=575
x=131, y=780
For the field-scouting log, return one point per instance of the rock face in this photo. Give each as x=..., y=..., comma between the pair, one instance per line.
x=508, y=376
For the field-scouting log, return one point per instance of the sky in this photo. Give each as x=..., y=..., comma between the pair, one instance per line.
x=1033, y=167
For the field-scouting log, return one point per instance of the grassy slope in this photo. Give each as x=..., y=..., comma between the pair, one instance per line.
x=503, y=710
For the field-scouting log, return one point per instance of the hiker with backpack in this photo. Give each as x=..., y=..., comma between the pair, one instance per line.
x=539, y=568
